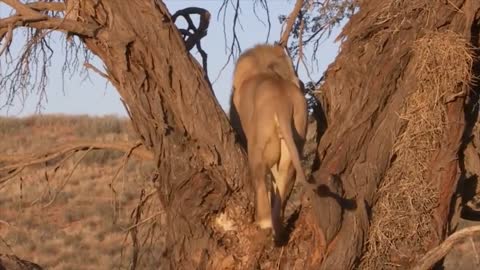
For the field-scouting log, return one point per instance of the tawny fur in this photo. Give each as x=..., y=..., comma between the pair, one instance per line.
x=269, y=109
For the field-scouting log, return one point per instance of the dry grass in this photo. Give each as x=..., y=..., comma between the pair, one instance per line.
x=86, y=223
x=402, y=217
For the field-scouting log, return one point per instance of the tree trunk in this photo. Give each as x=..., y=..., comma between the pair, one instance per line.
x=365, y=91
x=201, y=172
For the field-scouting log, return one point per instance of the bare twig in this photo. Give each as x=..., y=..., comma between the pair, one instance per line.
x=235, y=45
x=290, y=22
x=264, y=4
x=62, y=186
x=136, y=216
x=96, y=70
x=18, y=161
x=8, y=39
x=144, y=221
x=13, y=165
x=121, y=167
x=437, y=253
x=10, y=176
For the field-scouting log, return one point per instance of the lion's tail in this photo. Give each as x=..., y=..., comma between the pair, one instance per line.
x=285, y=120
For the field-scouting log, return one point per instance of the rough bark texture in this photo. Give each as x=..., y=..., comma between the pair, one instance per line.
x=201, y=172
x=363, y=93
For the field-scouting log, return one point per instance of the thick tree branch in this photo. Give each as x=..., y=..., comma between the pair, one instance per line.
x=290, y=22
x=29, y=15
x=82, y=29
x=437, y=253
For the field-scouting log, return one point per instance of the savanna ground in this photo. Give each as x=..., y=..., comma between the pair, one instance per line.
x=76, y=219
x=79, y=214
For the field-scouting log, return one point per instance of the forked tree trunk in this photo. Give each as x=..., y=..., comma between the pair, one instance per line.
x=201, y=175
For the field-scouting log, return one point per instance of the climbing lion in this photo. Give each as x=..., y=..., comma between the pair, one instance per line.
x=262, y=58
x=272, y=113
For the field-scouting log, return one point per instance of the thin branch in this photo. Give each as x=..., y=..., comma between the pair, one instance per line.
x=69, y=176
x=8, y=39
x=136, y=216
x=96, y=70
x=290, y=22
x=264, y=4
x=144, y=221
x=437, y=253
x=4, y=180
x=18, y=161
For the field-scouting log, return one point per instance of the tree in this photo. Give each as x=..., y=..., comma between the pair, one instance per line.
x=397, y=88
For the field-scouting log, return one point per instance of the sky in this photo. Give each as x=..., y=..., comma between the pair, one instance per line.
x=78, y=94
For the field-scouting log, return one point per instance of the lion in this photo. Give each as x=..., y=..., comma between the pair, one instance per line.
x=271, y=113
x=258, y=59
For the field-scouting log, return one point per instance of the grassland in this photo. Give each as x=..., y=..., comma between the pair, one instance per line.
x=77, y=222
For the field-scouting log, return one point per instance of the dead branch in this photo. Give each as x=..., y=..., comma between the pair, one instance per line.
x=29, y=15
x=144, y=221
x=194, y=37
x=437, y=253
x=290, y=22
x=46, y=6
x=8, y=39
x=12, y=163
x=82, y=29
x=69, y=176
x=24, y=9
x=13, y=262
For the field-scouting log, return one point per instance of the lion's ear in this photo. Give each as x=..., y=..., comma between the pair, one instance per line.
x=279, y=50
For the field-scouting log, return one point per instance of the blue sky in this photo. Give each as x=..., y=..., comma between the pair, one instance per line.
x=94, y=96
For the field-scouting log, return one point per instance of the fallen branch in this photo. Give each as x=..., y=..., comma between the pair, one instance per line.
x=437, y=253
